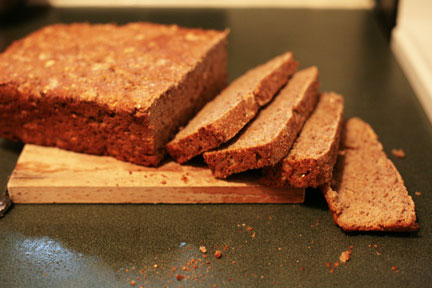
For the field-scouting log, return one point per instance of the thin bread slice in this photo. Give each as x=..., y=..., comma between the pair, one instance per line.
x=269, y=137
x=222, y=118
x=312, y=157
x=367, y=192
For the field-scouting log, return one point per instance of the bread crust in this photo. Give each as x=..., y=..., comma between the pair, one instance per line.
x=108, y=89
x=201, y=134
x=367, y=192
x=311, y=159
x=248, y=150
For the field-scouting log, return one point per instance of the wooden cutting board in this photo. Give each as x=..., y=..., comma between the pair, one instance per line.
x=52, y=175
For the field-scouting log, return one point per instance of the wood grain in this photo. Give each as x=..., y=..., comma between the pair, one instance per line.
x=52, y=175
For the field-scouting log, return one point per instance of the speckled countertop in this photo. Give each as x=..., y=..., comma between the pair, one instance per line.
x=286, y=245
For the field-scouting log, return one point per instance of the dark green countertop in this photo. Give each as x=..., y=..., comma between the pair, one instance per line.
x=105, y=245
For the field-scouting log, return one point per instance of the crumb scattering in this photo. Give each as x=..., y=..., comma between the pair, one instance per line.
x=398, y=153
x=417, y=193
x=345, y=256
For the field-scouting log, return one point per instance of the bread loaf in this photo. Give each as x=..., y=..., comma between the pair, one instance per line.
x=105, y=89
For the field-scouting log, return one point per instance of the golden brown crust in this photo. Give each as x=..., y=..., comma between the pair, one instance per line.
x=242, y=100
x=269, y=137
x=108, y=89
x=311, y=159
x=367, y=192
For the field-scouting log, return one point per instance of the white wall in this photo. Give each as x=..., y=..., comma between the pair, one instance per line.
x=411, y=44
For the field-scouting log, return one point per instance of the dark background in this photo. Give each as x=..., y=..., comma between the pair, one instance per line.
x=93, y=245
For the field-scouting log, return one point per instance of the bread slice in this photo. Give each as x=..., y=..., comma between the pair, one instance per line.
x=222, y=118
x=367, y=192
x=310, y=161
x=105, y=89
x=269, y=137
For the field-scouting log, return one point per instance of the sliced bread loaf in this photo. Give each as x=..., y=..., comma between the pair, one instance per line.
x=269, y=137
x=311, y=159
x=367, y=192
x=106, y=89
x=222, y=118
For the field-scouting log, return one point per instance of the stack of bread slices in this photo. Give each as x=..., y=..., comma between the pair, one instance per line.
x=274, y=117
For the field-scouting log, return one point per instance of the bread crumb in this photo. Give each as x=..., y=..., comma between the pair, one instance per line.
x=417, y=193
x=132, y=283
x=398, y=153
x=179, y=277
x=184, y=179
x=203, y=249
x=345, y=256
x=249, y=228
x=336, y=264
x=218, y=254
x=155, y=266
